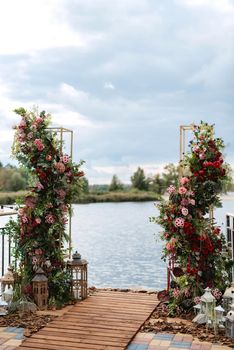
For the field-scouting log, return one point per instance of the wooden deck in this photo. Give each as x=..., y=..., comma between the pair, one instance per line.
x=105, y=320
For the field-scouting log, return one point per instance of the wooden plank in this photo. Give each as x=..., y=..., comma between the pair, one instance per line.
x=104, y=321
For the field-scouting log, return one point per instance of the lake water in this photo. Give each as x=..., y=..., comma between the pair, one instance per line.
x=121, y=245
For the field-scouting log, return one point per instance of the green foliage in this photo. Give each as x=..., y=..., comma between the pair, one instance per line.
x=193, y=241
x=156, y=184
x=170, y=175
x=39, y=231
x=115, y=185
x=12, y=179
x=139, y=180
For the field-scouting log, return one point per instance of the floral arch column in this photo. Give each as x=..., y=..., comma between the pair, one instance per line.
x=40, y=228
x=192, y=239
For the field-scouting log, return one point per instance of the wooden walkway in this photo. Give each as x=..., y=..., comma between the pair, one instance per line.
x=105, y=320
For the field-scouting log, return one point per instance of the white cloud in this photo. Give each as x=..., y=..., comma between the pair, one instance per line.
x=109, y=86
x=70, y=91
x=27, y=26
x=218, y=5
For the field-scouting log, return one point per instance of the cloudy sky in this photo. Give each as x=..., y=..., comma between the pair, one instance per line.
x=122, y=74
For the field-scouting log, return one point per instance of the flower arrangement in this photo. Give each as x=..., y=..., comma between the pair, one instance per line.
x=192, y=240
x=40, y=232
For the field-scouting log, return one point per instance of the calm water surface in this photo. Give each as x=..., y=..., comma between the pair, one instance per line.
x=121, y=245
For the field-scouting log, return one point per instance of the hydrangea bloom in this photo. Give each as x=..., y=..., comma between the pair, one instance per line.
x=179, y=222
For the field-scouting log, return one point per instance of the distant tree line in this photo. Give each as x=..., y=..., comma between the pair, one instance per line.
x=14, y=179
x=157, y=183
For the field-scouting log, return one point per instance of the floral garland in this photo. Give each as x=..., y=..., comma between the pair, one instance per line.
x=40, y=232
x=193, y=241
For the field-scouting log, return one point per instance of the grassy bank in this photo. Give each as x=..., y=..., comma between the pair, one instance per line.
x=129, y=196
x=11, y=197
x=138, y=196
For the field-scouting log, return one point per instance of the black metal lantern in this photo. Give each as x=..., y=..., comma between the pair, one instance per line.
x=79, y=276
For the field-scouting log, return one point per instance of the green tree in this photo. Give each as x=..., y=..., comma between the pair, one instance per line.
x=170, y=176
x=115, y=185
x=156, y=184
x=16, y=182
x=84, y=185
x=139, y=180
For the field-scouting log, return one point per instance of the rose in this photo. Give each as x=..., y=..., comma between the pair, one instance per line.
x=21, y=211
x=182, y=190
x=65, y=159
x=48, y=157
x=184, y=211
x=184, y=180
x=171, y=189
x=39, y=186
x=38, y=143
x=197, y=300
x=49, y=219
x=60, y=167
x=191, y=201
x=38, y=251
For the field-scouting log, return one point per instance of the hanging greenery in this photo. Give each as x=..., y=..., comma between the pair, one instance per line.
x=194, y=244
x=40, y=230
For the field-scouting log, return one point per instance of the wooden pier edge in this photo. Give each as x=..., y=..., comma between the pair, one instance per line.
x=107, y=320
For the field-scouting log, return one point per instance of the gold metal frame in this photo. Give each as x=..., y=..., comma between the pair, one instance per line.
x=61, y=131
x=183, y=129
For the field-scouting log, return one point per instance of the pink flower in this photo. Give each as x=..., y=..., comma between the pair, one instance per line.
x=196, y=149
x=179, y=222
x=64, y=220
x=182, y=190
x=30, y=202
x=49, y=219
x=48, y=157
x=217, y=293
x=60, y=167
x=184, y=201
x=184, y=211
x=184, y=180
x=176, y=292
x=197, y=300
x=202, y=155
x=38, y=251
x=34, y=260
x=171, y=189
x=38, y=220
x=171, y=244
x=24, y=219
x=192, y=201
x=39, y=144
x=65, y=159
x=21, y=211
x=39, y=186
x=30, y=135
x=22, y=124
x=33, y=126
x=61, y=193
x=39, y=120
x=64, y=208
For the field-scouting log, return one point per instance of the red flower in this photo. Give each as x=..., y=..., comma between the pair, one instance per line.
x=188, y=228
